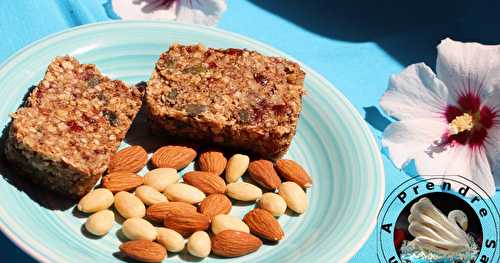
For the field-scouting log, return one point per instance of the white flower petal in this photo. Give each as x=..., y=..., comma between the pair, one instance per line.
x=458, y=160
x=492, y=148
x=468, y=67
x=203, y=12
x=145, y=9
x=415, y=93
x=405, y=139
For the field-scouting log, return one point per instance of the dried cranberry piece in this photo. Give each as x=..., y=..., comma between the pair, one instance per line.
x=73, y=126
x=279, y=109
x=233, y=51
x=261, y=79
x=88, y=119
x=212, y=65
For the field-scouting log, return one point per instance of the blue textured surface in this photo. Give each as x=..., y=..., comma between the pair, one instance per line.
x=356, y=44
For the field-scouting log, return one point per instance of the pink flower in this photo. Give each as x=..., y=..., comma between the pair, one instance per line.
x=449, y=124
x=204, y=12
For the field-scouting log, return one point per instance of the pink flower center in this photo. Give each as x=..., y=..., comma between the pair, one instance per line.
x=482, y=117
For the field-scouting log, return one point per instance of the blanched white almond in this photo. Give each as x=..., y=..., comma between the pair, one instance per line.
x=236, y=167
x=170, y=239
x=199, y=244
x=228, y=222
x=149, y=195
x=295, y=197
x=184, y=193
x=139, y=229
x=159, y=178
x=129, y=205
x=100, y=223
x=96, y=200
x=243, y=191
x=273, y=203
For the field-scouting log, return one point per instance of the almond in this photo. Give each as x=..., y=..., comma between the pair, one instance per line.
x=186, y=222
x=292, y=171
x=212, y=161
x=131, y=159
x=172, y=156
x=184, y=193
x=236, y=167
x=243, y=191
x=144, y=250
x=207, y=182
x=157, y=212
x=264, y=225
x=230, y=243
x=121, y=181
x=262, y=171
x=215, y=204
x=294, y=196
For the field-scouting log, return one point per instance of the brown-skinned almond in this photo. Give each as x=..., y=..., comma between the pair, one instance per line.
x=292, y=171
x=186, y=222
x=230, y=243
x=173, y=156
x=262, y=172
x=144, y=250
x=157, y=212
x=131, y=159
x=264, y=225
x=207, y=182
x=122, y=181
x=215, y=204
x=212, y=161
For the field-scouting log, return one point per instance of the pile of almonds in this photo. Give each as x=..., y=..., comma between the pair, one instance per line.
x=195, y=207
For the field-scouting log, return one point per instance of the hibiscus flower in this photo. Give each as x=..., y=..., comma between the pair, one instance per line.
x=448, y=123
x=204, y=12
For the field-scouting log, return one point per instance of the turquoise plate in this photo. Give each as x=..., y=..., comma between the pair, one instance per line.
x=333, y=143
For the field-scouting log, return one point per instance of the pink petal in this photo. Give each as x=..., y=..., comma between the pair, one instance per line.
x=415, y=93
x=468, y=68
x=405, y=139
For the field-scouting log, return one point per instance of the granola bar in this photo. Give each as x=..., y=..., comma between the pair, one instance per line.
x=227, y=97
x=70, y=125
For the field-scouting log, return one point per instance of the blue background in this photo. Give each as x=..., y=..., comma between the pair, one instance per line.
x=355, y=44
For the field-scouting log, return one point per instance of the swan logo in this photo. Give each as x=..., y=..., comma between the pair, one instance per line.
x=438, y=219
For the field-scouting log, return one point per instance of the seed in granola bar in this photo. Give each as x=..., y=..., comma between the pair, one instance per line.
x=195, y=109
x=111, y=116
x=288, y=70
x=93, y=81
x=102, y=97
x=196, y=69
x=244, y=116
x=172, y=94
x=73, y=126
x=170, y=63
x=261, y=79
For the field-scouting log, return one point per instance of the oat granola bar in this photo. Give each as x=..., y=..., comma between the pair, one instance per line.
x=228, y=97
x=70, y=125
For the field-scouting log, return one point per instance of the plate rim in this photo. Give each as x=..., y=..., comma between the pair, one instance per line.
x=372, y=145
